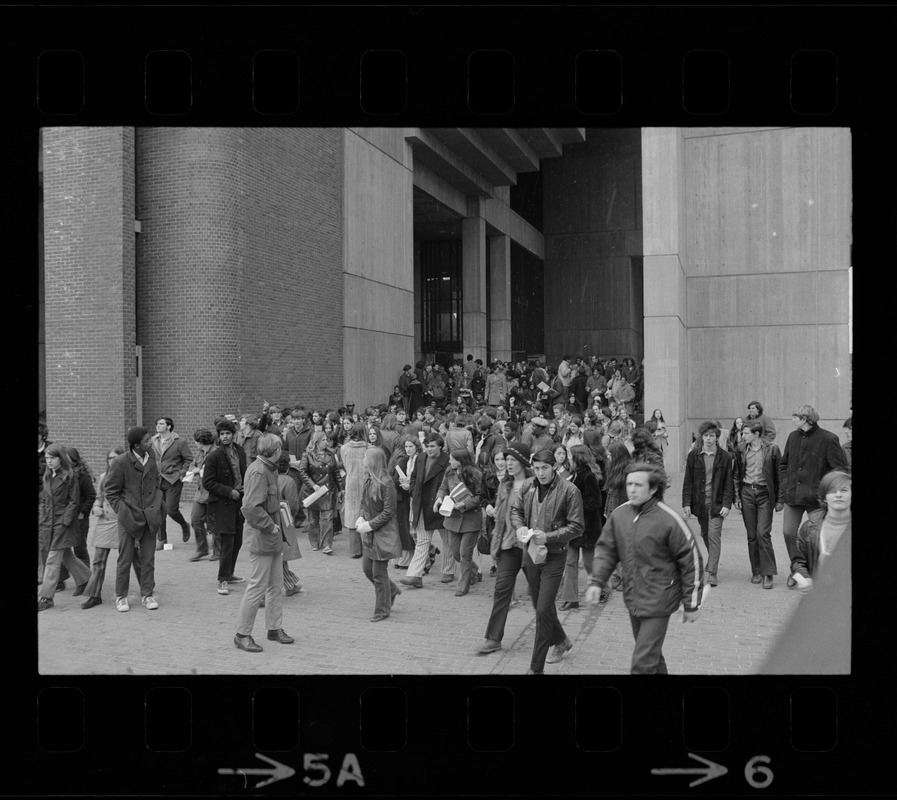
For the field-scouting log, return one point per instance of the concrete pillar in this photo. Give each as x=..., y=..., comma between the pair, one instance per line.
x=663, y=188
x=500, y=296
x=473, y=279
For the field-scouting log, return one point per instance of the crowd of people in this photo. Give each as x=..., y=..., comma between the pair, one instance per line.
x=537, y=469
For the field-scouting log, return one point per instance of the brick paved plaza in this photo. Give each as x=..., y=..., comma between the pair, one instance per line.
x=430, y=630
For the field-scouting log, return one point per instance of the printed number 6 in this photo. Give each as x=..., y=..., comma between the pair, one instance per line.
x=751, y=770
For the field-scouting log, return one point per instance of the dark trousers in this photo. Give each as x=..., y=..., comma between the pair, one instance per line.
x=544, y=580
x=462, y=545
x=508, y=563
x=98, y=571
x=649, y=633
x=79, y=549
x=377, y=572
x=230, y=549
x=198, y=521
x=756, y=511
x=171, y=499
x=142, y=550
x=793, y=515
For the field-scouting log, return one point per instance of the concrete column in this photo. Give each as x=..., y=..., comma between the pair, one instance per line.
x=663, y=188
x=473, y=279
x=500, y=295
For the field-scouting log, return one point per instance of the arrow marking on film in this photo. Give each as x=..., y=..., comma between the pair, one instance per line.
x=710, y=771
x=279, y=773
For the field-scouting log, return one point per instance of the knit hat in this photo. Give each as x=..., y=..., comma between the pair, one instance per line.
x=519, y=450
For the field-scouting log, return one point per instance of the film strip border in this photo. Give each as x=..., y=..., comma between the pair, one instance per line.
x=439, y=737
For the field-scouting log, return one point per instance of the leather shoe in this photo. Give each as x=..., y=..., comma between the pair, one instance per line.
x=767, y=581
x=198, y=557
x=489, y=646
x=44, y=603
x=280, y=636
x=755, y=579
x=379, y=617
x=79, y=589
x=559, y=651
x=60, y=586
x=568, y=605
x=461, y=592
x=185, y=533
x=247, y=643
x=447, y=579
x=90, y=602
x=414, y=583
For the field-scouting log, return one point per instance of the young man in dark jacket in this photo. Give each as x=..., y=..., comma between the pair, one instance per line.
x=425, y=481
x=662, y=563
x=223, y=473
x=550, y=514
x=708, y=491
x=173, y=458
x=133, y=489
x=757, y=490
x=810, y=452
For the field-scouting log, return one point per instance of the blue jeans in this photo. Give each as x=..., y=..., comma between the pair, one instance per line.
x=756, y=511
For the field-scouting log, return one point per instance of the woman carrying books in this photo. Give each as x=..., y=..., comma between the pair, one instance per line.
x=458, y=499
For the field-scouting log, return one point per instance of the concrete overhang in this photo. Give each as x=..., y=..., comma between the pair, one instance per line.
x=434, y=154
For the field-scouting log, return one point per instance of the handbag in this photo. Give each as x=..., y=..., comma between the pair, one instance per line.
x=484, y=542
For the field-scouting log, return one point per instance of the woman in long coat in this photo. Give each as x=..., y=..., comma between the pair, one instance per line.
x=105, y=538
x=289, y=494
x=352, y=457
x=407, y=450
x=59, y=524
x=379, y=531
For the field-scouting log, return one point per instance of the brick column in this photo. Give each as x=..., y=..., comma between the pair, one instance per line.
x=500, y=294
x=473, y=279
x=89, y=287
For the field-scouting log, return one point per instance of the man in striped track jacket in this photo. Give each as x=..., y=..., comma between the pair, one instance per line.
x=662, y=564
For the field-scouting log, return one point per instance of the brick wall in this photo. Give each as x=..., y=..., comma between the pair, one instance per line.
x=239, y=270
x=88, y=229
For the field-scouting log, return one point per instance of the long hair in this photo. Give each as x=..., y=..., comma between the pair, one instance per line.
x=375, y=461
x=79, y=465
x=581, y=459
x=619, y=460
x=832, y=481
x=399, y=450
x=65, y=464
x=646, y=447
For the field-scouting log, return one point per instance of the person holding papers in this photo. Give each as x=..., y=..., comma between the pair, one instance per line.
x=545, y=518
x=321, y=478
x=458, y=500
x=401, y=468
